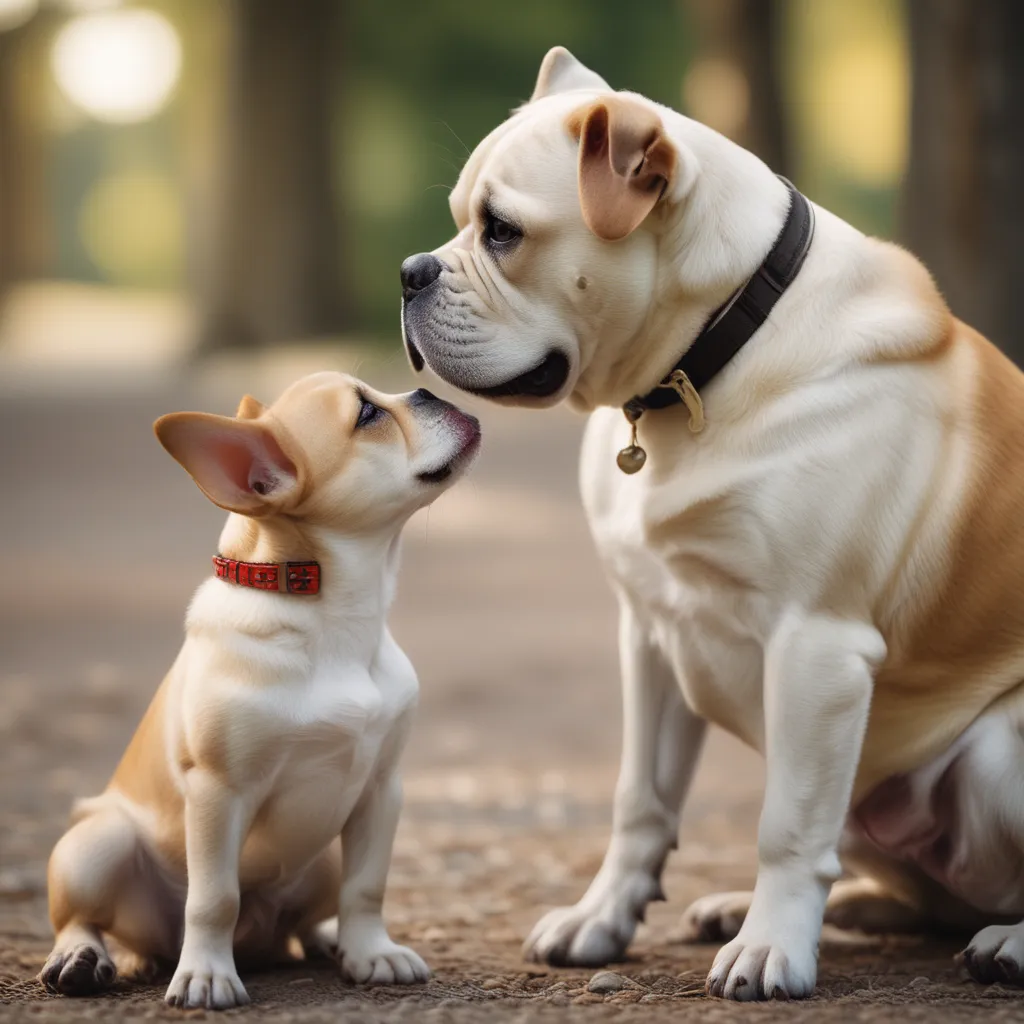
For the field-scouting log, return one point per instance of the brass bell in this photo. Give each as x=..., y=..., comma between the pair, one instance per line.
x=631, y=459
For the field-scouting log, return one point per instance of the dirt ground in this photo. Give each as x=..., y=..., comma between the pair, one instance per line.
x=503, y=610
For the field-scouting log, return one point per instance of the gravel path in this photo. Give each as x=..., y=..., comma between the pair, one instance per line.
x=503, y=610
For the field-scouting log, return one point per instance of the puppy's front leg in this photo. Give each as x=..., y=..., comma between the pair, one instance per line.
x=817, y=683
x=365, y=950
x=662, y=740
x=216, y=822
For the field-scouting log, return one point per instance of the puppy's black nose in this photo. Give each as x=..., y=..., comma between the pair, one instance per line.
x=418, y=272
x=421, y=397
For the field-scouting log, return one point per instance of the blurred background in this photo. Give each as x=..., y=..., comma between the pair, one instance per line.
x=242, y=173
x=202, y=198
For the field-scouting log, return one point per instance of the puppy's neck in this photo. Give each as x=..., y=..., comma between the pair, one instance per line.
x=357, y=572
x=727, y=211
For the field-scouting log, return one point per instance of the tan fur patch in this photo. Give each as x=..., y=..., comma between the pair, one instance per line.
x=965, y=648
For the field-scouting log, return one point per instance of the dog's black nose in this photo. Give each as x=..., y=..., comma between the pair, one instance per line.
x=418, y=272
x=421, y=396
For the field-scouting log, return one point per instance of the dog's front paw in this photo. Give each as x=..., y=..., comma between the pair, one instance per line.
x=715, y=918
x=79, y=970
x=207, y=984
x=579, y=936
x=996, y=954
x=598, y=929
x=747, y=970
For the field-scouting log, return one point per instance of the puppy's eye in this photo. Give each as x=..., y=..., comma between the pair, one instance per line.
x=500, y=232
x=368, y=412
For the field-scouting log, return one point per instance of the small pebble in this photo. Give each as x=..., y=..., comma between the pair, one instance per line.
x=301, y=981
x=491, y=984
x=608, y=981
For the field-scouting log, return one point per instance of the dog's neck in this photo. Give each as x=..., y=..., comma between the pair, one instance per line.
x=720, y=222
x=357, y=572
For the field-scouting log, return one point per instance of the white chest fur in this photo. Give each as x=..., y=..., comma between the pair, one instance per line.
x=300, y=712
x=806, y=503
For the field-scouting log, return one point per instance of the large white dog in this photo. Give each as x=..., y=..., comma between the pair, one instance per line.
x=824, y=553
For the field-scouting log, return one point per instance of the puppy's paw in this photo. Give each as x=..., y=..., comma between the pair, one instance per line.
x=715, y=918
x=206, y=984
x=748, y=970
x=995, y=954
x=79, y=970
x=383, y=963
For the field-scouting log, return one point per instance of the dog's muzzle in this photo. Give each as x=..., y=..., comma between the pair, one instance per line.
x=421, y=276
x=419, y=272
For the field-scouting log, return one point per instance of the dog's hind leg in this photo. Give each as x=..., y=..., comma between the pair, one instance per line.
x=854, y=904
x=996, y=953
x=94, y=887
x=717, y=917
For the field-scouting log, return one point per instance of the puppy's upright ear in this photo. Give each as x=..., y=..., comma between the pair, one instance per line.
x=237, y=463
x=625, y=164
x=560, y=71
x=249, y=408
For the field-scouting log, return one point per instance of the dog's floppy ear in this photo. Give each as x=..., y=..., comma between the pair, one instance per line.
x=625, y=164
x=249, y=408
x=560, y=71
x=237, y=463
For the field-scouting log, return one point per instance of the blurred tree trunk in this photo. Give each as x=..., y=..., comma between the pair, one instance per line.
x=272, y=267
x=22, y=225
x=963, y=201
x=743, y=35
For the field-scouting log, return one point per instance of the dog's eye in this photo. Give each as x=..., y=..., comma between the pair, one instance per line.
x=368, y=412
x=500, y=232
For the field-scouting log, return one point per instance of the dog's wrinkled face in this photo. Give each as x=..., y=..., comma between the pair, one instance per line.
x=546, y=265
x=330, y=451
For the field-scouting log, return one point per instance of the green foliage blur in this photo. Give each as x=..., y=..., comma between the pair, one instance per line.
x=414, y=87
x=425, y=83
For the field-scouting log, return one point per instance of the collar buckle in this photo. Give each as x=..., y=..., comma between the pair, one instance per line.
x=679, y=382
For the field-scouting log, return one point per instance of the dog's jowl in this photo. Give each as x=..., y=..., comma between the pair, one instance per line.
x=821, y=550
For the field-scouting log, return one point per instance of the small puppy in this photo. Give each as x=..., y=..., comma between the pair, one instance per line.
x=279, y=726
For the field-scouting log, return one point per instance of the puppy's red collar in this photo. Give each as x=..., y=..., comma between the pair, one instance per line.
x=283, y=577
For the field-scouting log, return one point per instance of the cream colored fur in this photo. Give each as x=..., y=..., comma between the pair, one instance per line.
x=832, y=570
x=280, y=725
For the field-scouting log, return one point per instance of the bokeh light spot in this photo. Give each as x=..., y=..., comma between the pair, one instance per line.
x=130, y=226
x=16, y=12
x=716, y=93
x=119, y=66
x=862, y=112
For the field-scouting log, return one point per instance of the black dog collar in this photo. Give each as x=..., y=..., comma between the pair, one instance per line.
x=728, y=330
